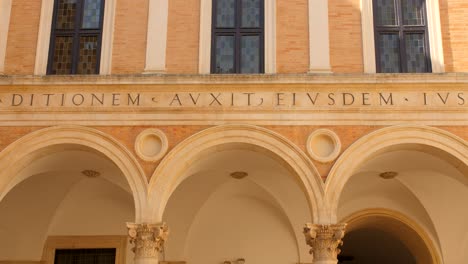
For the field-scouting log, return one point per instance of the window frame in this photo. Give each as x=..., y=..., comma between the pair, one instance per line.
x=85, y=242
x=76, y=33
x=238, y=32
x=204, y=50
x=434, y=36
x=402, y=30
x=45, y=27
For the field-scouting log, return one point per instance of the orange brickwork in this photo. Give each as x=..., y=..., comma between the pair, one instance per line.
x=454, y=24
x=345, y=36
x=292, y=36
x=183, y=36
x=176, y=134
x=129, y=48
x=22, y=37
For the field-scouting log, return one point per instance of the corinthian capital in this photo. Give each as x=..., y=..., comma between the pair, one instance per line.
x=324, y=240
x=147, y=239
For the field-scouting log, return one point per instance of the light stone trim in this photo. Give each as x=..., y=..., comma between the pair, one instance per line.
x=43, y=39
x=28, y=148
x=204, y=55
x=434, y=31
x=5, y=12
x=362, y=216
x=81, y=242
x=246, y=79
x=382, y=139
x=171, y=171
x=156, y=40
x=140, y=140
x=336, y=147
x=319, y=40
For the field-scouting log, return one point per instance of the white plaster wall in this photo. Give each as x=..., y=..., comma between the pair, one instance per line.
x=203, y=213
x=239, y=221
x=55, y=198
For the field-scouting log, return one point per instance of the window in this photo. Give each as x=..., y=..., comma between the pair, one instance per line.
x=85, y=256
x=75, y=43
x=237, y=36
x=401, y=36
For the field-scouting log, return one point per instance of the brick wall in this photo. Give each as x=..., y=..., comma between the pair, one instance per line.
x=131, y=24
x=345, y=36
x=183, y=36
x=292, y=36
x=22, y=37
x=454, y=23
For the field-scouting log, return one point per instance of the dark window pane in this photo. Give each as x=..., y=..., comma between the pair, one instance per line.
x=66, y=14
x=87, y=62
x=386, y=12
x=415, y=53
x=62, y=57
x=250, y=54
x=389, y=53
x=91, y=14
x=250, y=13
x=225, y=54
x=85, y=256
x=225, y=10
x=412, y=12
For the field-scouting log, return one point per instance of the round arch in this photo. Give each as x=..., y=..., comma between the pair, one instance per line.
x=434, y=139
x=170, y=172
x=24, y=150
x=398, y=224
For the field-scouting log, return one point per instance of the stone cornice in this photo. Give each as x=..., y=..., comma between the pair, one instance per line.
x=168, y=79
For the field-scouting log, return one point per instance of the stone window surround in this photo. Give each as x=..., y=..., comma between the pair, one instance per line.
x=434, y=30
x=43, y=40
x=5, y=11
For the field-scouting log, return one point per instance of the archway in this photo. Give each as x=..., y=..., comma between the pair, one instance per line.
x=63, y=187
x=236, y=192
x=385, y=236
x=413, y=170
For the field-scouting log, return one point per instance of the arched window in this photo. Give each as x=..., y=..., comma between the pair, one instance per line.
x=75, y=43
x=401, y=36
x=237, y=36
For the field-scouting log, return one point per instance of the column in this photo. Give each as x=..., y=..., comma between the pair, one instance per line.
x=148, y=241
x=319, y=41
x=324, y=241
x=157, y=36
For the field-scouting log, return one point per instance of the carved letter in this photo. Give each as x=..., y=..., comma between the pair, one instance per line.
x=313, y=100
x=115, y=99
x=215, y=99
x=14, y=102
x=176, y=98
x=386, y=101
x=135, y=100
x=442, y=99
x=345, y=95
x=80, y=101
x=94, y=97
x=194, y=100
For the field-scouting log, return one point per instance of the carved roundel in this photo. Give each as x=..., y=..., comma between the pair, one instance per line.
x=151, y=144
x=323, y=145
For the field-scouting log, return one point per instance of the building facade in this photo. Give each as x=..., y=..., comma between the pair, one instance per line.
x=233, y=131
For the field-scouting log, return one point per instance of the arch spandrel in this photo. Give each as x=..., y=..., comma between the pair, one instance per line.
x=32, y=146
x=433, y=140
x=172, y=170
